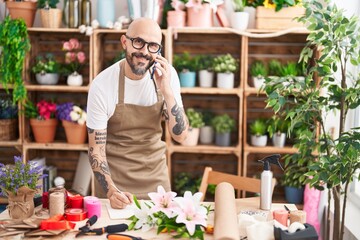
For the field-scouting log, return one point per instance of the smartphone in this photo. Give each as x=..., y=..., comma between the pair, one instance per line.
x=154, y=66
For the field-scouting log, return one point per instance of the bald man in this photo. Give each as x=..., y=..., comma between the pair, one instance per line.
x=126, y=103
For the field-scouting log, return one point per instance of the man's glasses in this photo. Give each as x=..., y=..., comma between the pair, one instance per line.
x=139, y=43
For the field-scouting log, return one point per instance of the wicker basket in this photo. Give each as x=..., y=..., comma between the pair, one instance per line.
x=8, y=129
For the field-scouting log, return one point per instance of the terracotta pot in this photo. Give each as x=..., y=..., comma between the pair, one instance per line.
x=75, y=133
x=21, y=204
x=176, y=18
x=202, y=17
x=44, y=130
x=24, y=10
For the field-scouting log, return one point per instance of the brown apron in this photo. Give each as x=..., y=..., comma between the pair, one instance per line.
x=134, y=149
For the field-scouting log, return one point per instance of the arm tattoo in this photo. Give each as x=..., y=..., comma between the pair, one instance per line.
x=102, y=181
x=180, y=123
x=166, y=115
x=90, y=130
x=100, y=138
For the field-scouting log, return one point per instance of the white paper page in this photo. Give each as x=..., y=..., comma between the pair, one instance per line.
x=121, y=213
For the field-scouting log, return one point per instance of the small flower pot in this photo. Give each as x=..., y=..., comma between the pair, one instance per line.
x=206, y=78
x=206, y=134
x=187, y=79
x=225, y=80
x=44, y=130
x=47, y=78
x=258, y=141
x=223, y=139
x=75, y=79
x=75, y=133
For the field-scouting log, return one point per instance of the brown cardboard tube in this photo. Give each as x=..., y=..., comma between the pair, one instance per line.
x=226, y=221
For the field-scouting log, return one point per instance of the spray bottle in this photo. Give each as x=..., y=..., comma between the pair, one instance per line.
x=266, y=181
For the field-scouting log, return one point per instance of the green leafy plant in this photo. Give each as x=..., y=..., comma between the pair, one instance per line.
x=223, y=123
x=333, y=162
x=205, y=62
x=185, y=63
x=277, y=124
x=239, y=5
x=8, y=110
x=207, y=117
x=15, y=43
x=42, y=110
x=274, y=67
x=195, y=118
x=47, y=3
x=225, y=64
x=46, y=64
x=289, y=69
x=258, y=69
x=186, y=182
x=258, y=127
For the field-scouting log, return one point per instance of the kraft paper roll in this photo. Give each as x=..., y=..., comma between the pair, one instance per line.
x=226, y=220
x=298, y=216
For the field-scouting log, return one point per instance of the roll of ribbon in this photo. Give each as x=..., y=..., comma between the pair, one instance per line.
x=281, y=216
x=76, y=201
x=75, y=214
x=45, y=200
x=298, y=216
x=93, y=206
x=57, y=203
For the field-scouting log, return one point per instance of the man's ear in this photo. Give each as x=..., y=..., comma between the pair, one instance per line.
x=123, y=41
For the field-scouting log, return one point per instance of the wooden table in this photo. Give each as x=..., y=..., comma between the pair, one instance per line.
x=242, y=204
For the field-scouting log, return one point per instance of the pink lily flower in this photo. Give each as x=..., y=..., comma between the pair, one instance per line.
x=163, y=201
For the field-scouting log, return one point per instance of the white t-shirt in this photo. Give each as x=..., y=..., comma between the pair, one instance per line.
x=104, y=91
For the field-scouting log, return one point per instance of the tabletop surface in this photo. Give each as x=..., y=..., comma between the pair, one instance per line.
x=242, y=205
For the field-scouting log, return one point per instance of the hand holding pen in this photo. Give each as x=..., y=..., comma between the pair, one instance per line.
x=120, y=199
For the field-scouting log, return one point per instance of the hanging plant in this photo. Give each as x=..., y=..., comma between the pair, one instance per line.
x=15, y=43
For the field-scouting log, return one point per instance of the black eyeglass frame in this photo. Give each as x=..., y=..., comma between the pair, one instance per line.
x=144, y=43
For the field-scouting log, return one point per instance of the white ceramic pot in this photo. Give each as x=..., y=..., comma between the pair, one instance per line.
x=239, y=20
x=192, y=137
x=225, y=80
x=206, y=78
x=75, y=79
x=258, y=141
x=206, y=134
x=258, y=82
x=47, y=78
x=278, y=139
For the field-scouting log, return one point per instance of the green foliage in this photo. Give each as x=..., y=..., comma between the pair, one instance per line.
x=186, y=182
x=274, y=67
x=239, y=5
x=8, y=110
x=46, y=64
x=277, y=124
x=195, y=118
x=30, y=110
x=185, y=62
x=205, y=62
x=44, y=3
x=225, y=64
x=258, y=69
x=331, y=163
x=15, y=43
x=207, y=117
x=289, y=69
x=223, y=123
x=258, y=127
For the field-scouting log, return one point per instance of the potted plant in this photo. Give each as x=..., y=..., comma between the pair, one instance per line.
x=74, y=60
x=46, y=70
x=274, y=68
x=206, y=73
x=195, y=123
x=333, y=161
x=19, y=183
x=42, y=117
x=277, y=129
x=207, y=131
x=239, y=18
x=258, y=130
x=73, y=120
x=223, y=126
x=258, y=73
x=175, y=14
x=199, y=13
x=15, y=44
x=225, y=66
x=21, y=9
x=51, y=16
x=8, y=120
x=186, y=66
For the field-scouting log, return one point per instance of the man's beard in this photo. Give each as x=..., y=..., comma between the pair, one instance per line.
x=139, y=70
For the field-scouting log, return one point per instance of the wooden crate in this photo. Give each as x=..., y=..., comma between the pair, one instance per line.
x=269, y=19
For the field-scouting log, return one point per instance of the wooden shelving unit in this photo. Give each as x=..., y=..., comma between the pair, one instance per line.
x=244, y=102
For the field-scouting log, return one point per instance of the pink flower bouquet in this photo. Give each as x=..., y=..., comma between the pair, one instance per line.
x=74, y=56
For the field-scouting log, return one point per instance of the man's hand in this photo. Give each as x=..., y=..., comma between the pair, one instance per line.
x=119, y=200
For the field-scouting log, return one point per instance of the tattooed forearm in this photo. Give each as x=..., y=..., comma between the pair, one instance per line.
x=166, y=115
x=100, y=137
x=94, y=159
x=105, y=168
x=102, y=181
x=180, y=122
x=90, y=130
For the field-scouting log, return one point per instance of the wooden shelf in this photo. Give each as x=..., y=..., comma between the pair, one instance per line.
x=57, y=88
x=205, y=149
x=201, y=90
x=270, y=149
x=56, y=146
